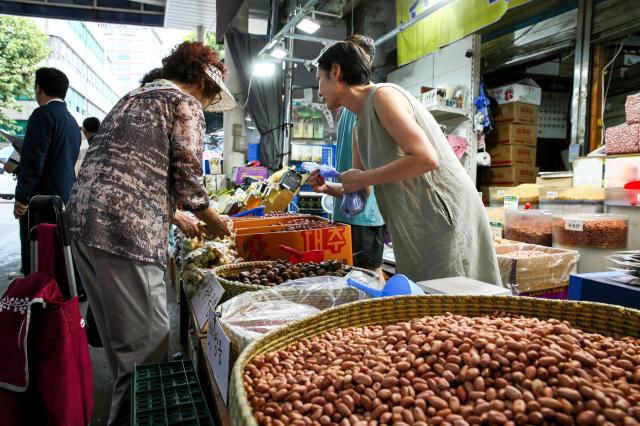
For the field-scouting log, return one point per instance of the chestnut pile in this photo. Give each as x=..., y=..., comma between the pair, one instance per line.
x=281, y=271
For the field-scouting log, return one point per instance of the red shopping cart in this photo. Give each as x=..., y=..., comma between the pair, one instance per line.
x=45, y=368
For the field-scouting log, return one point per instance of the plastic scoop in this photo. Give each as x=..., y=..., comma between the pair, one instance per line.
x=398, y=285
x=303, y=256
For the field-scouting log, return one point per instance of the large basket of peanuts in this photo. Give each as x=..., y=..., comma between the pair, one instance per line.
x=445, y=360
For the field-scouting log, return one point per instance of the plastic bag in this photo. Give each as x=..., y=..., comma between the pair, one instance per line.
x=353, y=203
x=533, y=270
x=249, y=315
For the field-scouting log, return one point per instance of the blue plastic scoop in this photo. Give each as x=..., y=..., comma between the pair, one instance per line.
x=398, y=285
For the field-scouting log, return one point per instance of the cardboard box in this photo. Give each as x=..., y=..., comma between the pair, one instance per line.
x=215, y=183
x=524, y=91
x=513, y=134
x=541, y=276
x=518, y=113
x=335, y=241
x=509, y=175
x=508, y=155
x=620, y=170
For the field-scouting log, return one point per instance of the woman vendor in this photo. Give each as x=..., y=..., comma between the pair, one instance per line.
x=431, y=206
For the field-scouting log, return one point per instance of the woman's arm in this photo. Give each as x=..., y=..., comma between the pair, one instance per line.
x=396, y=116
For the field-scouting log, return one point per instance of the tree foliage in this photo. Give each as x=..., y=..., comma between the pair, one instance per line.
x=209, y=40
x=22, y=47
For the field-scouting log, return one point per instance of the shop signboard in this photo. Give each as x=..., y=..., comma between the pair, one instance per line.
x=446, y=25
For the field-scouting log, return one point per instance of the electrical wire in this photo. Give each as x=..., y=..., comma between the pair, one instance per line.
x=606, y=91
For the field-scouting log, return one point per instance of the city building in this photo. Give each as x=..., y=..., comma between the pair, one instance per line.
x=79, y=50
x=132, y=51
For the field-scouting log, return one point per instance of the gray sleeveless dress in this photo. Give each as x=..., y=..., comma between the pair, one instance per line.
x=437, y=221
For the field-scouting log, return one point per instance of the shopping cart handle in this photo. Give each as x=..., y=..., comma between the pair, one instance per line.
x=52, y=203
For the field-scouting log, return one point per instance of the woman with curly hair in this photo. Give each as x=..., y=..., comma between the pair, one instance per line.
x=144, y=162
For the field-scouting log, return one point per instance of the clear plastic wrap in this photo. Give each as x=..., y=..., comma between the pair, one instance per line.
x=534, y=270
x=249, y=315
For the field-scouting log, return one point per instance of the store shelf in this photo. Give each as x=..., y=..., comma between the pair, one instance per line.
x=444, y=113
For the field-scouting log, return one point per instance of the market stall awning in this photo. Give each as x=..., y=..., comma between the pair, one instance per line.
x=142, y=12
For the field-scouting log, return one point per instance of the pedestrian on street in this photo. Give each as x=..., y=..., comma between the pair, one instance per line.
x=49, y=152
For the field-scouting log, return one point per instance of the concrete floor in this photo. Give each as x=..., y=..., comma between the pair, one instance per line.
x=102, y=381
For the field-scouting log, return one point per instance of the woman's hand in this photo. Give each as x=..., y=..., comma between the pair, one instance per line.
x=317, y=182
x=187, y=224
x=218, y=227
x=353, y=180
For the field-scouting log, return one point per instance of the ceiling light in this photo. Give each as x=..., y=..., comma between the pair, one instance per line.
x=278, y=52
x=308, y=25
x=263, y=69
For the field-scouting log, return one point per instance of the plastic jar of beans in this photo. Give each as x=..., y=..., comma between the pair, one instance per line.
x=591, y=230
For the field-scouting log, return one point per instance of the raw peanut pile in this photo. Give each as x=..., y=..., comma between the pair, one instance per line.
x=623, y=139
x=522, y=254
x=632, y=109
x=531, y=231
x=600, y=234
x=450, y=370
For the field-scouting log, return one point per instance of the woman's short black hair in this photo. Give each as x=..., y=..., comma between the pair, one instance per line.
x=52, y=82
x=91, y=124
x=353, y=61
x=153, y=75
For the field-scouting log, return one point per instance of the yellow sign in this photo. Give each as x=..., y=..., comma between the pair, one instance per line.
x=452, y=22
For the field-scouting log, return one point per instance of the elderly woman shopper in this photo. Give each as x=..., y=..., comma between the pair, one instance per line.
x=436, y=218
x=144, y=162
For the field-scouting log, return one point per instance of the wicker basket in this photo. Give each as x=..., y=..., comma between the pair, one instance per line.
x=234, y=288
x=592, y=317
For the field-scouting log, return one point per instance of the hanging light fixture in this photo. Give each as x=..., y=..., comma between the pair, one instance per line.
x=278, y=52
x=308, y=25
x=263, y=69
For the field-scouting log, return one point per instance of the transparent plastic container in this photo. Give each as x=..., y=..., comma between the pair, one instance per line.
x=591, y=230
x=584, y=199
x=526, y=193
x=496, y=221
x=626, y=202
x=529, y=226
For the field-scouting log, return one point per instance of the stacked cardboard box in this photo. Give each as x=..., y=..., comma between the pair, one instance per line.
x=512, y=145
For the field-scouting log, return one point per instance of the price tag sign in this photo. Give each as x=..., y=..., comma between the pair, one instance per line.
x=638, y=198
x=496, y=230
x=511, y=202
x=552, y=194
x=217, y=350
x=500, y=192
x=206, y=298
x=573, y=225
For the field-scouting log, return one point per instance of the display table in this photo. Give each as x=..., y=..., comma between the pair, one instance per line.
x=600, y=287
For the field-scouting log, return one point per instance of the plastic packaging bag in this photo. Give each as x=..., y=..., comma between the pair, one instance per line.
x=353, y=203
x=533, y=270
x=247, y=316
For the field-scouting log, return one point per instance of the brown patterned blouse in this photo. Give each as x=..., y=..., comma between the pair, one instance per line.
x=144, y=161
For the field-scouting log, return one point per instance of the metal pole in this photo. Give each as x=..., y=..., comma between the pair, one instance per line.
x=313, y=39
x=581, y=80
x=288, y=89
x=291, y=24
x=200, y=33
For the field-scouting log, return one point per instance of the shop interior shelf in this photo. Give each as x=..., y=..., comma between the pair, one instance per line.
x=168, y=394
x=441, y=112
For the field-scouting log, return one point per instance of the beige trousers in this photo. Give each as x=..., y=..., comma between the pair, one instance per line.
x=129, y=302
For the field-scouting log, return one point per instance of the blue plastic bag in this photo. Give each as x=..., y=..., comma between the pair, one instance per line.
x=353, y=203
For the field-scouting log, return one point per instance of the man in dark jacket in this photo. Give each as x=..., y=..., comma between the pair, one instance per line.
x=49, y=153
